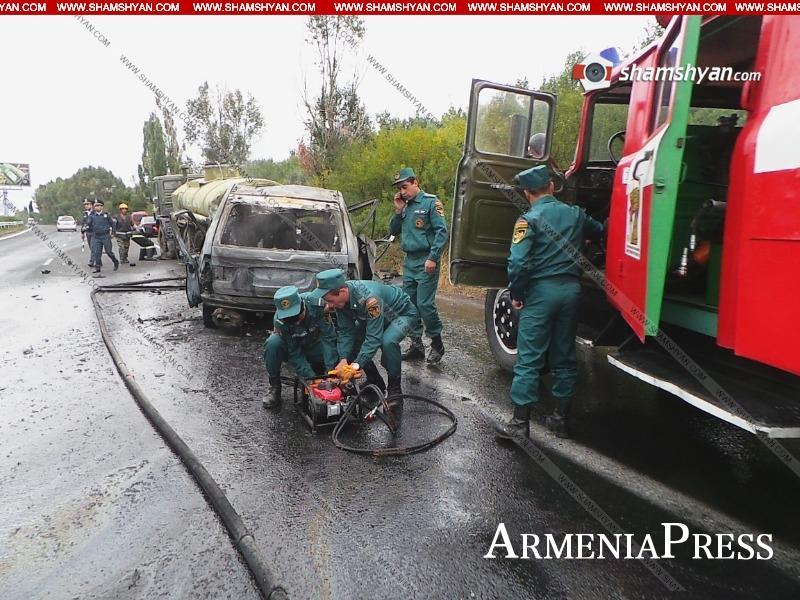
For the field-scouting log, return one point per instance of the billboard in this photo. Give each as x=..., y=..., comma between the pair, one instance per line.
x=15, y=174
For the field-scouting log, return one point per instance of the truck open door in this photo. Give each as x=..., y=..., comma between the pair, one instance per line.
x=508, y=130
x=646, y=182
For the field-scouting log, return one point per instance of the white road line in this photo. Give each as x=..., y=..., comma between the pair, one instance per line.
x=47, y=262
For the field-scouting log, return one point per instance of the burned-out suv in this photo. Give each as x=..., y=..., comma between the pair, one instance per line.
x=264, y=237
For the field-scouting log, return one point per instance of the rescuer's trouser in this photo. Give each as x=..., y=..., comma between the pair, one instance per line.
x=421, y=288
x=548, y=319
x=396, y=329
x=100, y=243
x=276, y=352
x=123, y=245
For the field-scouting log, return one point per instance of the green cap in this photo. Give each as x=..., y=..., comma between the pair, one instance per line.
x=332, y=279
x=533, y=178
x=403, y=174
x=288, y=302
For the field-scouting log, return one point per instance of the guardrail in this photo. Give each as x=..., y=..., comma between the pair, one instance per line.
x=10, y=223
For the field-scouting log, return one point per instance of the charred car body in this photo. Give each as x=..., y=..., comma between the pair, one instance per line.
x=263, y=236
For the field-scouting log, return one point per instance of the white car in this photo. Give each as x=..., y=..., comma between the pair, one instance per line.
x=66, y=223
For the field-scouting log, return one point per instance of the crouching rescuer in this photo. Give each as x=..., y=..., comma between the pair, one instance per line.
x=303, y=335
x=544, y=282
x=388, y=313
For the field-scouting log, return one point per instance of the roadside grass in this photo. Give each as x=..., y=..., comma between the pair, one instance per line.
x=10, y=230
x=392, y=261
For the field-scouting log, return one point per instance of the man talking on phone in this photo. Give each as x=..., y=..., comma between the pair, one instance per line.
x=419, y=217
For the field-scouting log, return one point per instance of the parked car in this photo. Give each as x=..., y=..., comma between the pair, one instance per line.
x=66, y=223
x=148, y=226
x=136, y=217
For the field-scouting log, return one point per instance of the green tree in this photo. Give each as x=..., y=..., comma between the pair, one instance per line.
x=287, y=171
x=336, y=115
x=154, y=155
x=366, y=167
x=65, y=196
x=224, y=125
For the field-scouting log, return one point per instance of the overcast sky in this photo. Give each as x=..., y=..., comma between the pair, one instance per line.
x=69, y=102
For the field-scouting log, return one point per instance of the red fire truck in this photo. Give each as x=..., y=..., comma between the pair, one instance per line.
x=699, y=179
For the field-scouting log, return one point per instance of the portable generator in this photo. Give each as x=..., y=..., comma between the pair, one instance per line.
x=322, y=402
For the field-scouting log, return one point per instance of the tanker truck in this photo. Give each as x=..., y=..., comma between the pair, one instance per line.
x=241, y=239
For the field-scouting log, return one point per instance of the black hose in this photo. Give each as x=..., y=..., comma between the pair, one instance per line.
x=400, y=451
x=242, y=539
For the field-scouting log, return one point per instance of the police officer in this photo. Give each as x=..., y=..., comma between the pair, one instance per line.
x=85, y=233
x=545, y=286
x=123, y=230
x=101, y=226
x=303, y=334
x=420, y=219
x=387, y=311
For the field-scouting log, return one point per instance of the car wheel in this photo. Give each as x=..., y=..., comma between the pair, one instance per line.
x=208, y=321
x=501, y=321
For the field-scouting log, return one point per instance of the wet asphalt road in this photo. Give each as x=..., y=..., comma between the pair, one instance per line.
x=99, y=507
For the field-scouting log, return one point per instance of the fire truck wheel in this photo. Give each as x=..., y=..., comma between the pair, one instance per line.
x=501, y=321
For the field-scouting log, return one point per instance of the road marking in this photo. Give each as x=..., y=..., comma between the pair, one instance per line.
x=47, y=262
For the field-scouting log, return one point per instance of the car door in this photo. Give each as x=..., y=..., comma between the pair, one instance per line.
x=501, y=122
x=646, y=182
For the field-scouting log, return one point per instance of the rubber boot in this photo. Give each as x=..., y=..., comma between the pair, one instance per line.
x=373, y=376
x=558, y=423
x=394, y=393
x=273, y=399
x=437, y=350
x=415, y=351
x=517, y=426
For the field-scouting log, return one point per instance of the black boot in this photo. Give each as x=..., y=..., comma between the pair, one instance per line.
x=273, y=399
x=437, y=350
x=558, y=423
x=116, y=265
x=394, y=393
x=373, y=376
x=415, y=351
x=517, y=426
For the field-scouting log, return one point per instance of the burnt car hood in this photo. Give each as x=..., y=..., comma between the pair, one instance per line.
x=258, y=272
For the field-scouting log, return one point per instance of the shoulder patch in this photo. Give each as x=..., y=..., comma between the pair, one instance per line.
x=373, y=307
x=439, y=207
x=520, y=229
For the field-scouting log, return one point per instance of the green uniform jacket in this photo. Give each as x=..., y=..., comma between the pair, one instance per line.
x=423, y=226
x=535, y=255
x=316, y=328
x=377, y=304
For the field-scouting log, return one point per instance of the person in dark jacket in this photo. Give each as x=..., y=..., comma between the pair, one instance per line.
x=86, y=235
x=101, y=226
x=123, y=230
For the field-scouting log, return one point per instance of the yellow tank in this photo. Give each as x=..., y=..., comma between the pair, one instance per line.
x=202, y=196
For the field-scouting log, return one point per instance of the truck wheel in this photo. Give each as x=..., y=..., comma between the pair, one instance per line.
x=207, y=320
x=501, y=321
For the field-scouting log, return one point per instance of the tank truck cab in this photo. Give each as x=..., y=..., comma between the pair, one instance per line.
x=699, y=180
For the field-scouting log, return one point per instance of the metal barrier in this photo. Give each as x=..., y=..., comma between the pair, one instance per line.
x=10, y=223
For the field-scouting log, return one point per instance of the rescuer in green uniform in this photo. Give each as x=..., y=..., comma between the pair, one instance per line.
x=387, y=311
x=420, y=219
x=544, y=284
x=303, y=334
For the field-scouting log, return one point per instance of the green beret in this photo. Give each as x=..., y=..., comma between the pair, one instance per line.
x=533, y=178
x=332, y=279
x=288, y=302
x=403, y=174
